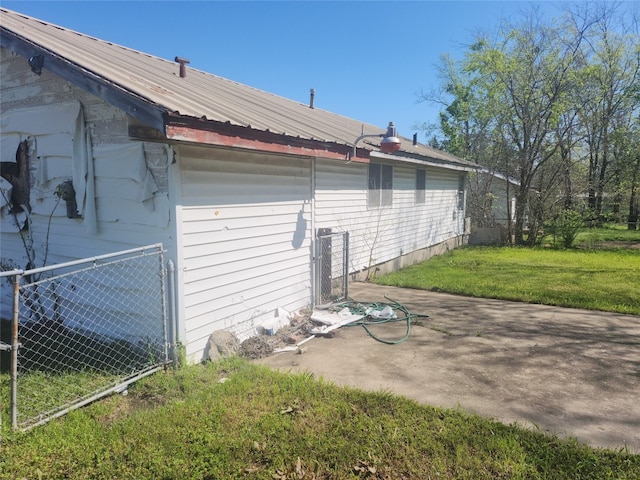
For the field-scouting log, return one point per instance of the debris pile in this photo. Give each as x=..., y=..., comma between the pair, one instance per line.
x=268, y=342
x=324, y=320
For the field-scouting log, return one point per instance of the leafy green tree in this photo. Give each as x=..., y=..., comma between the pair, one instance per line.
x=553, y=105
x=609, y=100
x=528, y=69
x=563, y=226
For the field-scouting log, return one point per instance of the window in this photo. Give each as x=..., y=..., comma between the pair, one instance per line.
x=461, y=192
x=421, y=177
x=380, y=185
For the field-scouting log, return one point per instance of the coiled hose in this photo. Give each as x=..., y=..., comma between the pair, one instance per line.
x=358, y=308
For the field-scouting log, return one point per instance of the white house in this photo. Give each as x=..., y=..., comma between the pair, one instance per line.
x=235, y=182
x=491, y=207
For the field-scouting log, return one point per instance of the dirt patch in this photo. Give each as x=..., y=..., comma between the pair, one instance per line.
x=621, y=244
x=609, y=245
x=262, y=346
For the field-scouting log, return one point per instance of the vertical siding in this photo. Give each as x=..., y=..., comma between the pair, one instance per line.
x=246, y=240
x=382, y=234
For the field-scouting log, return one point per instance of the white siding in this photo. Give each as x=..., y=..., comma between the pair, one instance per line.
x=382, y=234
x=132, y=205
x=246, y=240
x=238, y=225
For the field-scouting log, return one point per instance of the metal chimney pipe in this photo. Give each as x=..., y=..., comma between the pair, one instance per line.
x=182, y=62
x=312, y=94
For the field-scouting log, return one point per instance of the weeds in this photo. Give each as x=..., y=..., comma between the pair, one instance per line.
x=263, y=424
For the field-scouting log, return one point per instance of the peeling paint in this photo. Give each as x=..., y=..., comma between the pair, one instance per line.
x=206, y=137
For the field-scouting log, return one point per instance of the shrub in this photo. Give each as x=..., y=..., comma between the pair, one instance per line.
x=564, y=227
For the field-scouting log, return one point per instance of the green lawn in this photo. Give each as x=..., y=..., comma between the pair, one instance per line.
x=596, y=237
x=607, y=280
x=261, y=424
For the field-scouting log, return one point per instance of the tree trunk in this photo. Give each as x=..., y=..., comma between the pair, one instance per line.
x=520, y=217
x=632, y=218
x=634, y=204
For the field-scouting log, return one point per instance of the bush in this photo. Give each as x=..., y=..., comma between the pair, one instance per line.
x=564, y=227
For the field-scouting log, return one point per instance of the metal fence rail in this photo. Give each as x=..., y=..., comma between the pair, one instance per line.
x=84, y=329
x=332, y=266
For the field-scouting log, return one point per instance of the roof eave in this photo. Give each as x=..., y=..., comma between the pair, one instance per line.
x=208, y=132
x=424, y=160
x=146, y=112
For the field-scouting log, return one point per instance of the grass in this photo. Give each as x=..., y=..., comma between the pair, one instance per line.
x=45, y=393
x=262, y=424
x=595, y=237
x=604, y=280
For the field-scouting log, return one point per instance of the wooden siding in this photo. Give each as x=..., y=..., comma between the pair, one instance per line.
x=246, y=240
x=382, y=234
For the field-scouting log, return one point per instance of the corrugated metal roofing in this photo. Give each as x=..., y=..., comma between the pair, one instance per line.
x=200, y=95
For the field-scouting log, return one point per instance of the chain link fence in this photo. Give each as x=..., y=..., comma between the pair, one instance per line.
x=85, y=329
x=332, y=266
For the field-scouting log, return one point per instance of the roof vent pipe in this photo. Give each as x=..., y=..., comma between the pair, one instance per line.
x=182, y=62
x=312, y=94
x=415, y=139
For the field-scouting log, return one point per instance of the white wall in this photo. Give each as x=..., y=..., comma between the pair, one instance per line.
x=382, y=234
x=502, y=204
x=246, y=240
x=238, y=225
x=130, y=205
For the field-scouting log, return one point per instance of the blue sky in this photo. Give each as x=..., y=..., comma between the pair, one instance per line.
x=366, y=60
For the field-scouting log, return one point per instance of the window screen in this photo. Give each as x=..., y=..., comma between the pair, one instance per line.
x=380, y=185
x=421, y=181
x=461, y=192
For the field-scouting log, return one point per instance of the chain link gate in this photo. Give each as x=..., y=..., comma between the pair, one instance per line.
x=332, y=266
x=85, y=329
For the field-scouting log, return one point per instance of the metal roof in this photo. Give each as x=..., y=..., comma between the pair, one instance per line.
x=201, y=95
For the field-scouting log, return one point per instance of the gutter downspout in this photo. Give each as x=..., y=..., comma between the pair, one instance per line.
x=313, y=232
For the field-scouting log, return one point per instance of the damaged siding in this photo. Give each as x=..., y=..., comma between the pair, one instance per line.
x=129, y=204
x=124, y=166
x=245, y=240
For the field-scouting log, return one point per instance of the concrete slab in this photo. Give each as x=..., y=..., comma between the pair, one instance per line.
x=566, y=371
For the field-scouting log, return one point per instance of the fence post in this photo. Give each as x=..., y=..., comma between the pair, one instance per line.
x=171, y=270
x=14, y=352
x=163, y=299
x=345, y=265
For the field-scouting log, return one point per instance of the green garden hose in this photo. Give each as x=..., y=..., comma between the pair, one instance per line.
x=358, y=308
